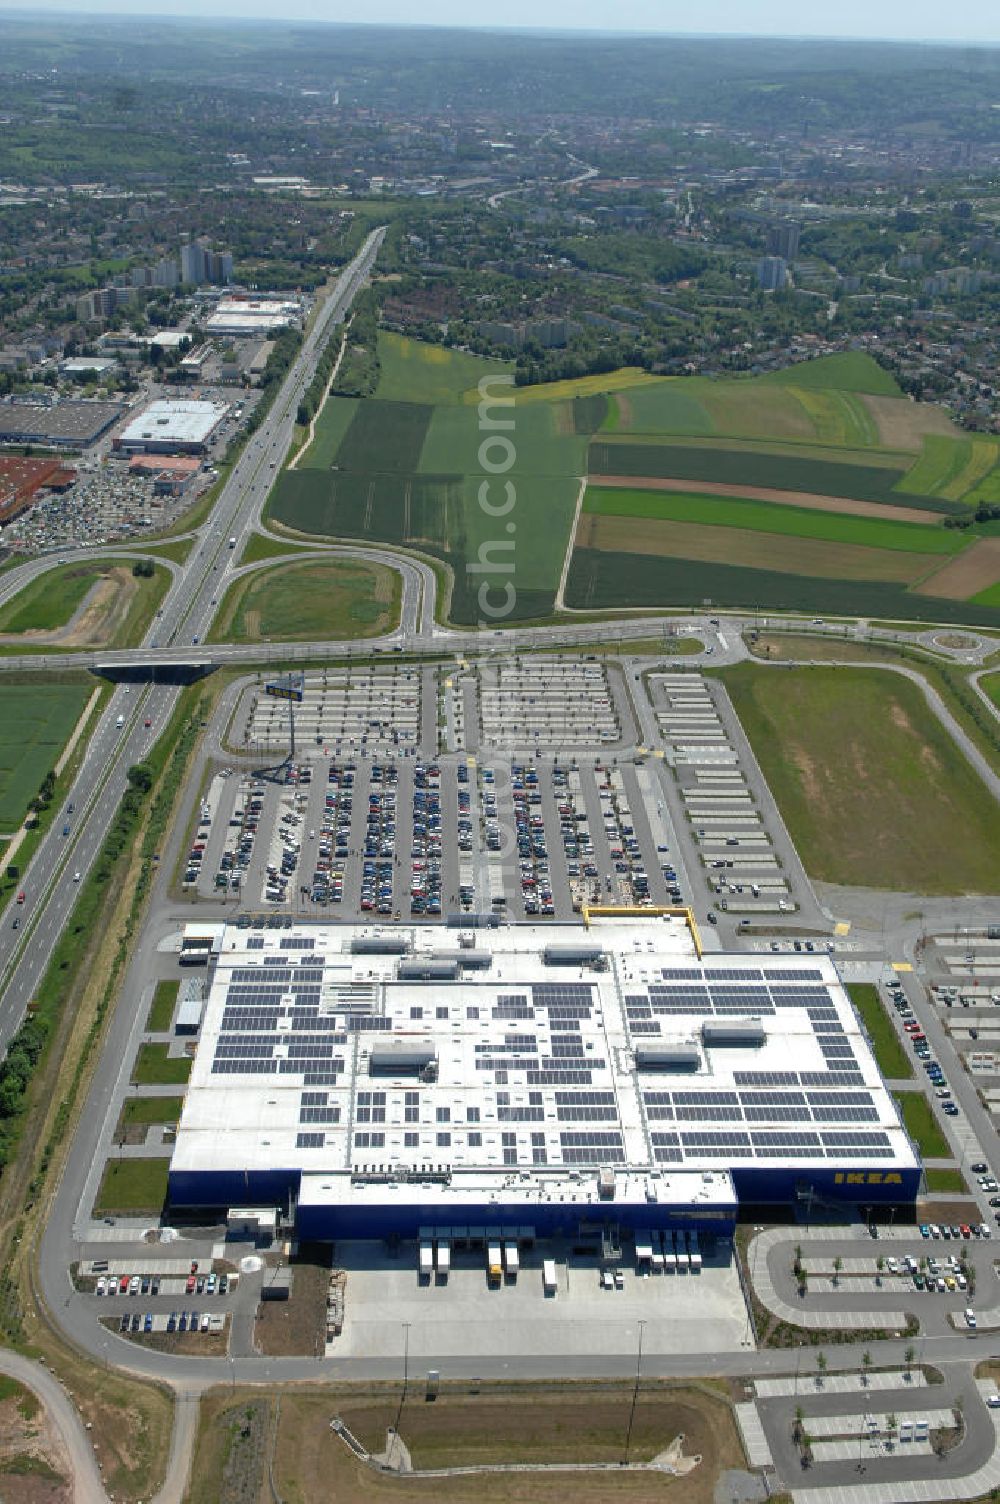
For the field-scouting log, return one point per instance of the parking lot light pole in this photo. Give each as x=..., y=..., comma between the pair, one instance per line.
x=406, y=1357
x=635, y=1393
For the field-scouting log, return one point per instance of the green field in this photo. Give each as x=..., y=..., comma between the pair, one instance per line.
x=601, y=580
x=989, y=598
x=35, y=723
x=851, y=371
x=873, y=790
x=49, y=601
x=922, y=1126
x=944, y=1181
x=154, y=1067
x=767, y=517
x=410, y=467
x=384, y=438
x=412, y=371
x=950, y=467
x=332, y=423
x=142, y=1111
x=161, y=1009
x=780, y=471
x=309, y=601
x=131, y=1186
x=891, y=1057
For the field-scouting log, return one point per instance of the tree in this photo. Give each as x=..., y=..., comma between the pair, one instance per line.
x=908, y=1359
x=891, y=1425
x=838, y=1264
x=866, y=1363
x=140, y=777
x=797, y=1429
x=821, y=1365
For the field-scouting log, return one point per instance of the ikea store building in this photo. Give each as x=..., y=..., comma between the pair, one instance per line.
x=370, y=1083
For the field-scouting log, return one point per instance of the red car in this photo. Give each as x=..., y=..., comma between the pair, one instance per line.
x=148, y=721
x=20, y=896
x=189, y=1287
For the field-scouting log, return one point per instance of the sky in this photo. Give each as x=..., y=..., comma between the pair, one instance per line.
x=904, y=20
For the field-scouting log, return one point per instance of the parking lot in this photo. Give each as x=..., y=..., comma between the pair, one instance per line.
x=745, y=856
x=363, y=712
x=401, y=837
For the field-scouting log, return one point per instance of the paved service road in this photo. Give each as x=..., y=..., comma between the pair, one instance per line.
x=88, y=1484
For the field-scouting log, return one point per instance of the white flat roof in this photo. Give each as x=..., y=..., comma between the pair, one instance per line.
x=174, y=422
x=535, y=1065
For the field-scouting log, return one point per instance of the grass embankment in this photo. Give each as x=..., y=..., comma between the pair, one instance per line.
x=132, y=1186
x=123, y=609
x=161, y=1010
x=922, y=1126
x=890, y=1056
x=527, y=1425
x=130, y=1420
x=311, y=601
x=259, y=547
x=176, y=549
x=873, y=789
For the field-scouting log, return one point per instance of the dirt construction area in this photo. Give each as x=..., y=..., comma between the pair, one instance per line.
x=690, y=1429
x=34, y=1468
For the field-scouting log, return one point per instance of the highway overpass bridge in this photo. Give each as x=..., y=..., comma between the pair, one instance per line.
x=154, y=670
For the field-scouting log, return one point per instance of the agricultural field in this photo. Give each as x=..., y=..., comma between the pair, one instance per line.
x=94, y=604
x=951, y=468
x=874, y=791
x=781, y=471
x=36, y=721
x=412, y=371
x=310, y=600
x=867, y=531
x=776, y=492
x=410, y=470
x=852, y=371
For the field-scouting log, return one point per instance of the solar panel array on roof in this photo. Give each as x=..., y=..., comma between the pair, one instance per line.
x=541, y=1072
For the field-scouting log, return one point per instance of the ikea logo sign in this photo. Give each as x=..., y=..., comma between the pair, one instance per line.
x=870, y=1177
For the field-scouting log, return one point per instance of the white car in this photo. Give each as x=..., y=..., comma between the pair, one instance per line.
x=76, y=877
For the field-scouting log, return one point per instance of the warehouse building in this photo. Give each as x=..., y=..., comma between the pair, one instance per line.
x=373, y=1083
x=62, y=425
x=250, y=316
x=172, y=428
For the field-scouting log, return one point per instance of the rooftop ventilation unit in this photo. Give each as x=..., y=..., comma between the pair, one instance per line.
x=742, y=1032
x=684, y=1056
x=402, y=1058
x=380, y=945
x=572, y=953
x=428, y=969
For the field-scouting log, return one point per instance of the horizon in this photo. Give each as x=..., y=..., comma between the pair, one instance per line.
x=983, y=33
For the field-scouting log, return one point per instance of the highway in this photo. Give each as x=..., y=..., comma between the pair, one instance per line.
x=29, y=931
